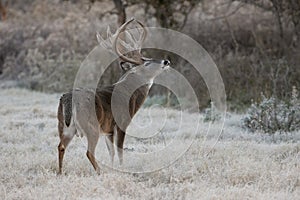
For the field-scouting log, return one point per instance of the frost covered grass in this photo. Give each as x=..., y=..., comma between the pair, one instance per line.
x=240, y=165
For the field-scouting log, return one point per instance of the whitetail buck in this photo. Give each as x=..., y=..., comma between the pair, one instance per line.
x=79, y=117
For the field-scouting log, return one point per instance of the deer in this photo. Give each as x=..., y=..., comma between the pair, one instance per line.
x=91, y=113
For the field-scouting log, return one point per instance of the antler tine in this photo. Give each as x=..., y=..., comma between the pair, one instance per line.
x=126, y=45
x=108, y=32
x=140, y=34
x=102, y=42
x=99, y=38
x=121, y=29
x=131, y=38
x=142, y=38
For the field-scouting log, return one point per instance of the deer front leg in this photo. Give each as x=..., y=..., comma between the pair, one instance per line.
x=120, y=142
x=92, y=143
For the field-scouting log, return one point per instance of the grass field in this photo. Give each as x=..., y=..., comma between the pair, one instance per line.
x=240, y=165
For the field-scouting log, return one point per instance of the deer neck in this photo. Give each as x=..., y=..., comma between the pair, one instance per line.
x=131, y=80
x=134, y=86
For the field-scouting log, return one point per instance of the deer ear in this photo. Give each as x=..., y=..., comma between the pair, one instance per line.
x=125, y=66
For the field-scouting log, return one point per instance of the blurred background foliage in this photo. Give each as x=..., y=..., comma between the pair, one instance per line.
x=255, y=43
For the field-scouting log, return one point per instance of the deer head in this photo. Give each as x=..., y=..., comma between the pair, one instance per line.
x=131, y=58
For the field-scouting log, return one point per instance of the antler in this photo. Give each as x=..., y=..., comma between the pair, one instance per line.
x=135, y=48
x=107, y=44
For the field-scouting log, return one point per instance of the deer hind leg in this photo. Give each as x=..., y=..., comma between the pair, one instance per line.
x=92, y=143
x=109, y=140
x=120, y=141
x=66, y=135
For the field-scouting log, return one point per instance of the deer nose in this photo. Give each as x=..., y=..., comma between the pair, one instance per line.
x=166, y=62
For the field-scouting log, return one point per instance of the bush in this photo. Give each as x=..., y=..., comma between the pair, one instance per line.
x=272, y=115
x=211, y=114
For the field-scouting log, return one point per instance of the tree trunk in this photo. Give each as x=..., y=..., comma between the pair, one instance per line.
x=121, y=11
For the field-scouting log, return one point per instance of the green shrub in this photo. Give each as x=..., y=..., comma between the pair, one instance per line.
x=272, y=115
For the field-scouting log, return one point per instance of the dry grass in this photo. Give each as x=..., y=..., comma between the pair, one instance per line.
x=240, y=166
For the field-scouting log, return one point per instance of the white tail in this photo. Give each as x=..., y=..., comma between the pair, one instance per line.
x=78, y=117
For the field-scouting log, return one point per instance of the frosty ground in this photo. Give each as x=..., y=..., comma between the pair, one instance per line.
x=234, y=165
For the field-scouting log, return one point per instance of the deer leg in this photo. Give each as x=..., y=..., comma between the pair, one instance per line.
x=109, y=140
x=92, y=143
x=120, y=142
x=64, y=141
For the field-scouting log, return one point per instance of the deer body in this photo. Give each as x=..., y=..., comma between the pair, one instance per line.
x=77, y=109
x=103, y=124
